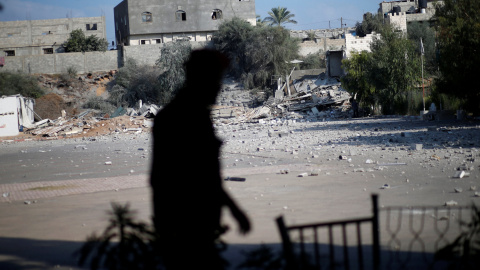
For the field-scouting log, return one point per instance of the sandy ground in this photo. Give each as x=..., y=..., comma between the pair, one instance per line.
x=346, y=161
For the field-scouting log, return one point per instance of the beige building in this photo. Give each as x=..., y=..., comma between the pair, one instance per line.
x=37, y=37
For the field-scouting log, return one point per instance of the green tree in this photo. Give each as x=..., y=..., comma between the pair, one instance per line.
x=12, y=83
x=135, y=82
x=313, y=61
x=256, y=52
x=371, y=23
x=171, y=63
x=78, y=42
x=358, y=70
x=279, y=16
x=417, y=30
x=395, y=68
x=458, y=30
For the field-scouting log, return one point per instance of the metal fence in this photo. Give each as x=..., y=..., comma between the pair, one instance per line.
x=392, y=238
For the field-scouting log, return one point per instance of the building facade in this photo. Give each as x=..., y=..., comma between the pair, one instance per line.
x=142, y=22
x=37, y=37
x=401, y=13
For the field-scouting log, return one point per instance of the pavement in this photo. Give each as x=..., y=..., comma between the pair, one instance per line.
x=47, y=214
x=43, y=223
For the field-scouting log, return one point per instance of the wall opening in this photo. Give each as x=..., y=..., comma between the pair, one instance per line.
x=217, y=14
x=180, y=15
x=147, y=17
x=48, y=51
x=91, y=26
x=9, y=52
x=158, y=41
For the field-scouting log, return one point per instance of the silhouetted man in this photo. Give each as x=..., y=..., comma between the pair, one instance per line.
x=185, y=177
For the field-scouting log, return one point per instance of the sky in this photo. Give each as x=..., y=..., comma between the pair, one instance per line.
x=310, y=14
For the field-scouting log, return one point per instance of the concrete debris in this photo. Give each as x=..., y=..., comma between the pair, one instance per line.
x=302, y=175
x=320, y=98
x=458, y=190
x=108, y=163
x=385, y=186
x=461, y=174
x=451, y=203
x=417, y=146
x=86, y=125
x=236, y=179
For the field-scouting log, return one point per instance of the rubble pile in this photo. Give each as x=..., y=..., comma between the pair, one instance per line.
x=89, y=126
x=69, y=92
x=311, y=99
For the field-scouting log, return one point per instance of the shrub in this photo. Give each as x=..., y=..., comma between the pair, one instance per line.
x=12, y=83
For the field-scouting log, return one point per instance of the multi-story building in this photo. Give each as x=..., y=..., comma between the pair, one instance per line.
x=401, y=13
x=36, y=37
x=139, y=22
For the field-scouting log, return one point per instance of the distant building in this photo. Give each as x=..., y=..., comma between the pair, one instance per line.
x=401, y=13
x=141, y=22
x=358, y=44
x=37, y=37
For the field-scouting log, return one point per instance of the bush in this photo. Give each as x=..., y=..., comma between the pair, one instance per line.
x=313, y=61
x=98, y=103
x=172, y=58
x=78, y=42
x=135, y=82
x=12, y=83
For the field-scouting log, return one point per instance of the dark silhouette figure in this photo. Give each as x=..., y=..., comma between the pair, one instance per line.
x=185, y=177
x=355, y=108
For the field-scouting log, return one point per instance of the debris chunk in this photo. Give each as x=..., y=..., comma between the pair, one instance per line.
x=451, y=203
x=461, y=174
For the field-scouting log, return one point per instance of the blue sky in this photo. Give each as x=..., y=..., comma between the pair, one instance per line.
x=310, y=14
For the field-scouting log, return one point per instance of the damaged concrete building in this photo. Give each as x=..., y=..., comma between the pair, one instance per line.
x=38, y=37
x=402, y=13
x=143, y=22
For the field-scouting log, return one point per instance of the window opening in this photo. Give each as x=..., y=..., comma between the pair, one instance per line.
x=91, y=26
x=216, y=14
x=142, y=42
x=158, y=40
x=146, y=17
x=181, y=15
x=10, y=53
x=48, y=51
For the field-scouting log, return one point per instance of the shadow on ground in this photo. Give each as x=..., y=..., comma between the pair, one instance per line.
x=32, y=254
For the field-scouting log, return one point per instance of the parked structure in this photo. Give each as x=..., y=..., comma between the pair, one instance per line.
x=143, y=22
x=38, y=37
x=16, y=112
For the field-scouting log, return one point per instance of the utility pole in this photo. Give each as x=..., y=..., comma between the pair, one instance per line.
x=423, y=87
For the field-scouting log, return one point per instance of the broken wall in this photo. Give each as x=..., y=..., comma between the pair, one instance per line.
x=14, y=112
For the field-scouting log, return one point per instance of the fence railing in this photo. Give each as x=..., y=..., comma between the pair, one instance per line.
x=412, y=235
x=392, y=238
